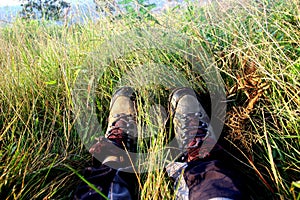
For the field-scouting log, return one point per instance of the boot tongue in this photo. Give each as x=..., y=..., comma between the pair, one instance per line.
x=116, y=134
x=198, y=135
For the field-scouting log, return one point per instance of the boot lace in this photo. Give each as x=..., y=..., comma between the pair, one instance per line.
x=123, y=130
x=194, y=130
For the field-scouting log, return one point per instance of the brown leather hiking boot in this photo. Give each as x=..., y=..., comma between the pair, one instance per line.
x=190, y=123
x=122, y=125
x=121, y=130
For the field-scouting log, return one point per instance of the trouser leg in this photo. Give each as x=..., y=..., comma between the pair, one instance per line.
x=114, y=184
x=100, y=177
x=124, y=186
x=210, y=179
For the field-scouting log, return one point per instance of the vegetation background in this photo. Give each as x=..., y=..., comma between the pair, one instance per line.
x=254, y=44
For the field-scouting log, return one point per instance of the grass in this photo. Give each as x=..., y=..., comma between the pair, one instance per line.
x=255, y=46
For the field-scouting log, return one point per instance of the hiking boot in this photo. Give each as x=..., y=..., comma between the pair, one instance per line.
x=122, y=127
x=190, y=123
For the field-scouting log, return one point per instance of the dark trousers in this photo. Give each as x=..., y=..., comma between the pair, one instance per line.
x=205, y=179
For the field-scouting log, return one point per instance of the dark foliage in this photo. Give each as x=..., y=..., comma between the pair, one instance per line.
x=44, y=9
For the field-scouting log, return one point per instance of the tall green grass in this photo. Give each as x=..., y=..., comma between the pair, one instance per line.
x=255, y=45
